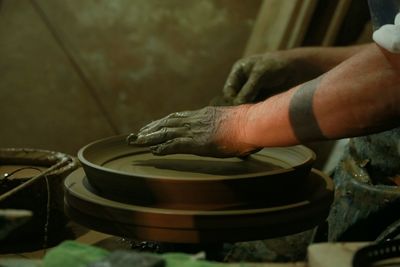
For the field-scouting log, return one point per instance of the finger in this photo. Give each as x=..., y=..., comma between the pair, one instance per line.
x=167, y=121
x=131, y=138
x=234, y=82
x=249, y=90
x=157, y=125
x=161, y=136
x=181, y=114
x=174, y=146
x=149, y=125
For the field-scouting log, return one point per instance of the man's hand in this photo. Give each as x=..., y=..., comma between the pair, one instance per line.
x=211, y=131
x=258, y=77
x=254, y=76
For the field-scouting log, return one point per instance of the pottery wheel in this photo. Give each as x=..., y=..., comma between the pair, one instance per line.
x=87, y=206
x=270, y=177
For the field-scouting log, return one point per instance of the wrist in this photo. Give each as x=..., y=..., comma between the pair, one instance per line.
x=233, y=129
x=268, y=123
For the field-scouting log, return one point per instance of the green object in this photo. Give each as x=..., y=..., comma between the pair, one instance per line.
x=70, y=253
x=186, y=260
x=74, y=254
x=121, y=258
x=20, y=263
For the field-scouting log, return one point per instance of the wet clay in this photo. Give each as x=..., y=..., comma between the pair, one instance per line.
x=301, y=112
x=189, y=165
x=134, y=175
x=114, y=155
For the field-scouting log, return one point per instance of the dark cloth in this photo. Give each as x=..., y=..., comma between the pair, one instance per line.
x=383, y=11
x=367, y=199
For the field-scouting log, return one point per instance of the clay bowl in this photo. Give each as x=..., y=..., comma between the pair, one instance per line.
x=29, y=163
x=273, y=176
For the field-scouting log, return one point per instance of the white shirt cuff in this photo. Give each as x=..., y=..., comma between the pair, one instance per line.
x=388, y=36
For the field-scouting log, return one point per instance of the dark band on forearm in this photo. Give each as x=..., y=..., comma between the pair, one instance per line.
x=301, y=113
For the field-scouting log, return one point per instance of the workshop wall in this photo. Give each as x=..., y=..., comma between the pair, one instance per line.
x=76, y=71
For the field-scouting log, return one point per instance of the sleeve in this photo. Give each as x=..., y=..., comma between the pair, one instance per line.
x=385, y=18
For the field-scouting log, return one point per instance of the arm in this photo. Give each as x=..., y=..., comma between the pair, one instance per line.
x=359, y=96
x=257, y=77
x=323, y=59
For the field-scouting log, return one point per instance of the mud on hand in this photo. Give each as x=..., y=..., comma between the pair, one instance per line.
x=210, y=131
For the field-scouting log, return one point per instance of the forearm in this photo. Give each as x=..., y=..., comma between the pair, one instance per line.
x=321, y=59
x=361, y=96
x=357, y=97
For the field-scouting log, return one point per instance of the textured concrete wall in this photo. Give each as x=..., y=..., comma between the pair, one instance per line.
x=76, y=71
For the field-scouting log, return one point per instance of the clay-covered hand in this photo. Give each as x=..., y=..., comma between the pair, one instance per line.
x=211, y=131
x=256, y=77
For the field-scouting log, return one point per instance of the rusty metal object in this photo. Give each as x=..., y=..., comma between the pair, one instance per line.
x=17, y=167
x=42, y=175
